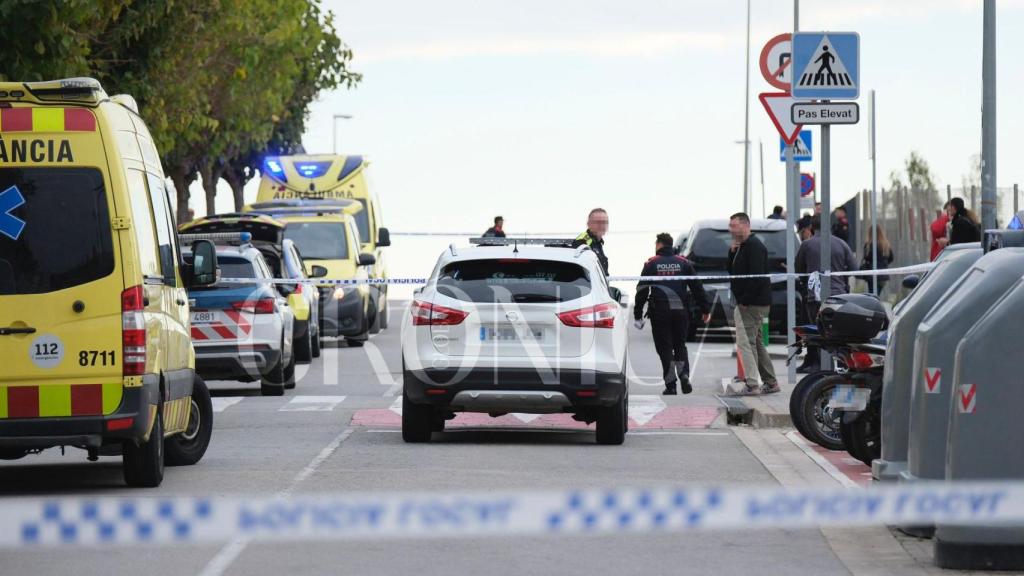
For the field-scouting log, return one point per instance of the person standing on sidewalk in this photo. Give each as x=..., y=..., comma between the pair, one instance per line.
x=753, y=297
x=668, y=306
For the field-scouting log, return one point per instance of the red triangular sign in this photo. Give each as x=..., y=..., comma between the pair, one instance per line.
x=778, y=105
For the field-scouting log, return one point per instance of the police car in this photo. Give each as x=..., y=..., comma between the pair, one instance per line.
x=242, y=331
x=510, y=325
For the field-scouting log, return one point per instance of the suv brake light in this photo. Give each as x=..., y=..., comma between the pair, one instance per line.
x=133, y=332
x=430, y=314
x=600, y=316
x=261, y=306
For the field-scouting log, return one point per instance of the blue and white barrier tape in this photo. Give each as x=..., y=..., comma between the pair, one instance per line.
x=193, y=520
x=916, y=269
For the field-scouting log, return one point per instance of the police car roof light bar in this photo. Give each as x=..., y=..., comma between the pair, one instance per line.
x=549, y=242
x=217, y=237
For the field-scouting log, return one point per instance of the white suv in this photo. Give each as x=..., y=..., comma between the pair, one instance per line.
x=516, y=326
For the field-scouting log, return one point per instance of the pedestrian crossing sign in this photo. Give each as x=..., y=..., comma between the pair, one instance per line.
x=826, y=66
x=801, y=148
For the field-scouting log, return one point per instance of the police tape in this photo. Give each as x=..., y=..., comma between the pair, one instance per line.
x=111, y=521
x=775, y=278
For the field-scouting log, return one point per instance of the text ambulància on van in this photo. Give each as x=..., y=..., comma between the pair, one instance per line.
x=35, y=150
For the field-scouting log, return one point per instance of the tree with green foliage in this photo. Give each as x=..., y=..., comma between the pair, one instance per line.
x=217, y=81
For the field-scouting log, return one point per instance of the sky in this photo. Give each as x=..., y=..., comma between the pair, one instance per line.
x=539, y=110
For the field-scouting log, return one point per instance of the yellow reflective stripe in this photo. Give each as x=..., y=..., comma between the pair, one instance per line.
x=48, y=120
x=55, y=400
x=111, y=397
x=3, y=402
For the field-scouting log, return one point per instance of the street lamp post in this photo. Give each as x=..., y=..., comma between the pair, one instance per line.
x=334, y=130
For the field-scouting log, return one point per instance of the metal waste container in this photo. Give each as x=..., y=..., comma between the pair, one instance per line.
x=938, y=335
x=985, y=431
x=899, y=356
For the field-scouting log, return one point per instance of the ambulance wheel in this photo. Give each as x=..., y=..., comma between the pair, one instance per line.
x=144, y=462
x=382, y=310
x=189, y=447
x=374, y=310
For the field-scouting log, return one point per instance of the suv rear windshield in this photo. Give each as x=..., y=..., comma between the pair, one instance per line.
x=711, y=244
x=513, y=280
x=319, y=240
x=66, y=239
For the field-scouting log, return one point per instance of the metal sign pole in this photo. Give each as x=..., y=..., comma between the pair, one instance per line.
x=792, y=207
x=826, y=227
x=874, y=200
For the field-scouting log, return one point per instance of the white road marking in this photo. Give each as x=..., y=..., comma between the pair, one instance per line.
x=643, y=407
x=312, y=404
x=232, y=550
x=525, y=418
x=396, y=406
x=820, y=460
x=222, y=403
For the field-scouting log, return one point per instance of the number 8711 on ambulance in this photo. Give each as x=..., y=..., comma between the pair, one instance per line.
x=94, y=316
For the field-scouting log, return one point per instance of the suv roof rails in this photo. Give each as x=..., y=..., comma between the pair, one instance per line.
x=547, y=242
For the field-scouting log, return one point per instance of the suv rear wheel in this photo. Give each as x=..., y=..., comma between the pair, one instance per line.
x=611, y=422
x=417, y=421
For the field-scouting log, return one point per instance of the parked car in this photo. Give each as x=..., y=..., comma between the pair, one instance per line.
x=242, y=331
x=707, y=247
x=281, y=254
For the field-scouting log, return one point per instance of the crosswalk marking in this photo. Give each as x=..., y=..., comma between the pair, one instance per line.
x=312, y=404
x=221, y=403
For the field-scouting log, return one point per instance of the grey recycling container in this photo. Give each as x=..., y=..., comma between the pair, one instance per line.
x=985, y=431
x=938, y=335
x=899, y=356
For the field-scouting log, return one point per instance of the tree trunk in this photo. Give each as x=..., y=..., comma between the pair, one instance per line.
x=237, y=184
x=180, y=180
x=211, y=176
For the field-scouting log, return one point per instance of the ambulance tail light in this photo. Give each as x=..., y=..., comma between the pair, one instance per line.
x=133, y=332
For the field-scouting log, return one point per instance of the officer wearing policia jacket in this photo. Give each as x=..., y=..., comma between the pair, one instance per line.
x=668, y=303
x=597, y=227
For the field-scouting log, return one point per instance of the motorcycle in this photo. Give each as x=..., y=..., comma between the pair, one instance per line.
x=840, y=409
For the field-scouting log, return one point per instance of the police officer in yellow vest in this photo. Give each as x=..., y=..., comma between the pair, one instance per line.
x=597, y=227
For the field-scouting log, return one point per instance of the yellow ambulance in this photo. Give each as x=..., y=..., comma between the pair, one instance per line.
x=333, y=177
x=94, y=316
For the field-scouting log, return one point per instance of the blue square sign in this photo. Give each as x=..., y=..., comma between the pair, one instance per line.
x=802, y=152
x=826, y=66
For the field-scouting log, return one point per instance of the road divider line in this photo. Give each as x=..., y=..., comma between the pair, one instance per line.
x=238, y=542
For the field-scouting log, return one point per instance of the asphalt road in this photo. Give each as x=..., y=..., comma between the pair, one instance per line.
x=337, y=432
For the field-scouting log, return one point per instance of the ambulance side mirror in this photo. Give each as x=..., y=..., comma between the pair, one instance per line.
x=204, y=264
x=317, y=271
x=383, y=237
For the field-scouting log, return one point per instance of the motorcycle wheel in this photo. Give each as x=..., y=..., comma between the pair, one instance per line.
x=821, y=424
x=798, y=391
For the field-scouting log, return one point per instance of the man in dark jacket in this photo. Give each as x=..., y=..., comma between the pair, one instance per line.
x=597, y=227
x=668, y=306
x=498, y=230
x=808, y=260
x=753, y=297
x=961, y=228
